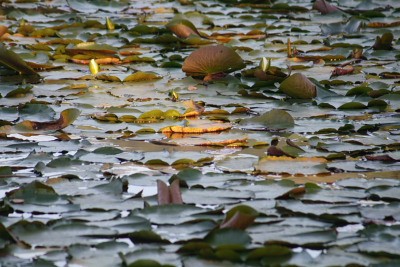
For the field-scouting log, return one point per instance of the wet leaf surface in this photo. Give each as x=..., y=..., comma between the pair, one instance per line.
x=284, y=153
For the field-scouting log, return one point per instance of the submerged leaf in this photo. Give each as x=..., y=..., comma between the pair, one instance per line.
x=298, y=86
x=212, y=60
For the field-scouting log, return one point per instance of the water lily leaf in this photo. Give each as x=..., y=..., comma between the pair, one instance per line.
x=352, y=26
x=182, y=28
x=67, y=117
x=169, y=195
x=228, y=238
x=273, y=119
x=6, y=237
x=384, y=42
x=20, y=91
x=91, y=48
x=268, y=251
x=306, y=166
x=352, y=105
x=239, y=217
x=298, y=86
x=324, y=7
x=197, y=127
x=141, y=76
x=211, y=60
x=34, y=193
x=13, y=61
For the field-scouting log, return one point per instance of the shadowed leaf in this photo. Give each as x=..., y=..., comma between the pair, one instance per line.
x=66, y=118
x=13, y=61
x=239, y=217
x=324, y=7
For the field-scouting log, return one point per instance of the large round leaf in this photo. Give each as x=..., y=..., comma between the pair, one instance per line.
x=212, y=60
x=298, y=86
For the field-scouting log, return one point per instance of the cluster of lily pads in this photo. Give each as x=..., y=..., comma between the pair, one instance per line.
x=199, y=133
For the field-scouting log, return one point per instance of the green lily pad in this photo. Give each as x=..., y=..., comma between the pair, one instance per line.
x=273, y=119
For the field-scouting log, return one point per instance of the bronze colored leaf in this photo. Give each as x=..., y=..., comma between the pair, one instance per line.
x=239, y=217
x=141, y=76
x=324, y=7
x=212, y=60
x=182, y=28
x=298, y=86
x=169, y=195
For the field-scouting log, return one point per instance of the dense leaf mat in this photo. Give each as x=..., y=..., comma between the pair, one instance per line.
x=117, y=151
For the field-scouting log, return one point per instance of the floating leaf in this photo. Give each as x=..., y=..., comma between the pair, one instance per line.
x=298, y=86
x=273, y=119
x=212, y=60
x=141, y=76
x=67, y=117
x=239, y=217
x=13, y=61
x=351, y=27
x=182, y=28
x=384, y=42
x=324, y=7
x=197, y=127
x=305, y=166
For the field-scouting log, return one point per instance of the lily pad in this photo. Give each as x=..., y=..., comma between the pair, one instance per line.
x=298, y=86
x=212, y=60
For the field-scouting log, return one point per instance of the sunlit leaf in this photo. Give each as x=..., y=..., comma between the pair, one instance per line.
x=141, y=76
x=94, y=67
x=212, y=60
